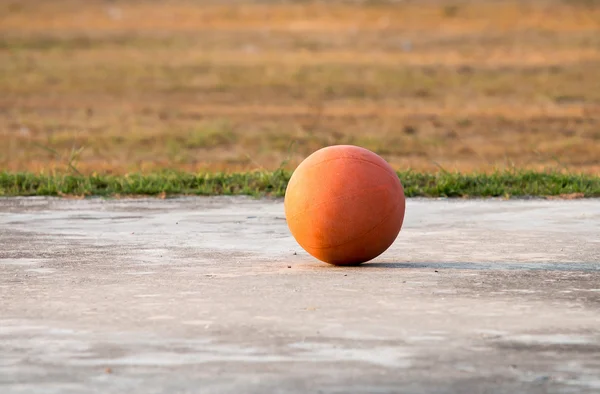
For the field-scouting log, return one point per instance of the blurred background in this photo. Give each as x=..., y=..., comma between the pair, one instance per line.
x=142, y=85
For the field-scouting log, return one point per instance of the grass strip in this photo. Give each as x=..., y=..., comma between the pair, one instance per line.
x=441, y=184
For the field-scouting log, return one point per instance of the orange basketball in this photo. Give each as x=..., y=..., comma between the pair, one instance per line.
x=344, y=205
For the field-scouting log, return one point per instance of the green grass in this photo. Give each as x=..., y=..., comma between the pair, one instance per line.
x=442, y=184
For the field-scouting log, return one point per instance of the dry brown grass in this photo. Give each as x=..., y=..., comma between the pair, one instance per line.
x=116, y=86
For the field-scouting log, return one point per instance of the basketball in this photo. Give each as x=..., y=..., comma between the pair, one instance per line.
x=344, y=205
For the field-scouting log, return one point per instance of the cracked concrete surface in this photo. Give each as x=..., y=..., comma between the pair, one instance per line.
x=213, y=295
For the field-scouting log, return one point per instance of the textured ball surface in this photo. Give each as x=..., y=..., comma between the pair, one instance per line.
x=344, y=205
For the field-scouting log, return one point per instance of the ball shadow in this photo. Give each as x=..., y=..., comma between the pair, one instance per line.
x=483, y=266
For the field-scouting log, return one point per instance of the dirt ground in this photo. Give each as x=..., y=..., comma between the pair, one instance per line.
x=118, y=86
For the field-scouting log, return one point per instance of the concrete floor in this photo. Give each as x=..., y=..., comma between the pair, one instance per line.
x=213, y=295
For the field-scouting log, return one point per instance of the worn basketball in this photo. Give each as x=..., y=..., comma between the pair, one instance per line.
x=344, y=205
